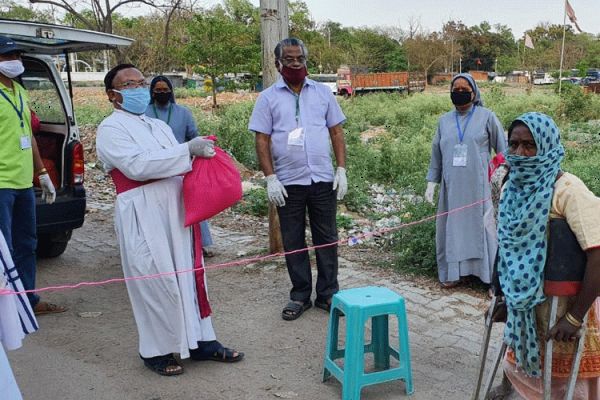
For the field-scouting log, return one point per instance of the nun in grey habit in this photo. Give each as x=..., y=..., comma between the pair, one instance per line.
x=466, y=240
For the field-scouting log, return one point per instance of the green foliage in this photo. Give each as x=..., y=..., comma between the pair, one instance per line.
x=344, y=221
x=230, y=125
x=92, y=114
x=254, y=202
x=12, y=10
x=401, y=156
x=219, y=44
x=576, y=106
x=415, y=245
x=183, y=93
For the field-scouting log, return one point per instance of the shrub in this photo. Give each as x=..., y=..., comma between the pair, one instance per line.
x=93, y=114
x=254, y=202
x=576, y=106
x=344, y=221
x=415, y=245
x=183, y=93
x=230, y=125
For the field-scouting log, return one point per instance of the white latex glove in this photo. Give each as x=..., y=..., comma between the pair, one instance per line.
x=340, y=182
x=275, y=191
x=48, y=191
x=430, y=191
x=202, y=147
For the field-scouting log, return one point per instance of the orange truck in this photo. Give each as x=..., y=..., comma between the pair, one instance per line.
x=353, y=80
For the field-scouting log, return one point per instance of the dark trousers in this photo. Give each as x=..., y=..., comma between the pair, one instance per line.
x=17, y=223
x=320, y=200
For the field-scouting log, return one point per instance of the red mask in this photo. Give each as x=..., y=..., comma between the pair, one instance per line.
x=294, y=76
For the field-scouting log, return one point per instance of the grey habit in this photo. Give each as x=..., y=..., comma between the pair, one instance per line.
x=466, y=240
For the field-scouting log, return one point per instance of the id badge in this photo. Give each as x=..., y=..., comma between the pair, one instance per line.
x=296, y=138
x=25, y=142
x=460, y=156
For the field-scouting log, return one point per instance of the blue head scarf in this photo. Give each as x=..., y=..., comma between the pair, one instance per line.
x=522, y=221
x=477, y=100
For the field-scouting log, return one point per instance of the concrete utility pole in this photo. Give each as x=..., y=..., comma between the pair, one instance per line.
x=274, y=27
x=274, y=21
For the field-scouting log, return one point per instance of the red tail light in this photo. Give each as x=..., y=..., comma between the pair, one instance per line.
x=77, y=168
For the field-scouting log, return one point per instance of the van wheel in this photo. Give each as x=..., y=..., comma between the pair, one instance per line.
x=52, y=245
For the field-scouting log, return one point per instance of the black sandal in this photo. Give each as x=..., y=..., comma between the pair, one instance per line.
x=323, y=304
x=294, y=310
x=215, y=351
x=162, y=365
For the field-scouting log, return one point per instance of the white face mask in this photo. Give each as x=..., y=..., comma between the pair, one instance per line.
x=11, y=69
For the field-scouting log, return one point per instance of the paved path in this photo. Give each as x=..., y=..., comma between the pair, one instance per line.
x=76, y=357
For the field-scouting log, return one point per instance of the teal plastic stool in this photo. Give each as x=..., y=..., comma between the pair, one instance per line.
x=358, y=305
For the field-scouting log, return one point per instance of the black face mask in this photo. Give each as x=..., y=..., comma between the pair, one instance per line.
x=460, y=98
x=162, y=97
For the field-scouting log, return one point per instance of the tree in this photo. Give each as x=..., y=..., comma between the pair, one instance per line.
x=218, y=45
x=425, y=51
x=482, y=44
x=95, y=15
x=98, y=15
x=12, y=10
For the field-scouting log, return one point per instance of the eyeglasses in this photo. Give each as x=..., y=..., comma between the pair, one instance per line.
x=161, y=90
x=133, y=84
x=291, y=60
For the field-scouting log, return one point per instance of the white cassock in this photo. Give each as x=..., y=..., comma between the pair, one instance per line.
x=149, y=222
x=16, y=320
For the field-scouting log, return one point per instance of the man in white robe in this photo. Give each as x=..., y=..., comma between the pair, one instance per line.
x=147, y=163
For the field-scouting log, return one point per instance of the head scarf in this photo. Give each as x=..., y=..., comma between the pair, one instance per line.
x=522, y=221
x=161, y=78
x=477, y=100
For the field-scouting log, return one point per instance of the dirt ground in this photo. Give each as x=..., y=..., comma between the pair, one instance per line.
x=90, y=352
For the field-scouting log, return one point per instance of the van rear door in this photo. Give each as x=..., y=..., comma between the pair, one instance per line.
x=52, y=39
x=48, y=39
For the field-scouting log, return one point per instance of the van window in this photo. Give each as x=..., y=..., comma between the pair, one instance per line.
x=43, y=93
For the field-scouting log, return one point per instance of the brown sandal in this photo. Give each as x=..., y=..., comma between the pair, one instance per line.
x=449, y=284
x=44, y=307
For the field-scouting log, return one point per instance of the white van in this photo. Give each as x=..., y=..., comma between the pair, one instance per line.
x=58, y=137
x=329, y=80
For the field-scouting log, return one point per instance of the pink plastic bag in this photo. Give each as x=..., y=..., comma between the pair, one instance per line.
x=212, y=185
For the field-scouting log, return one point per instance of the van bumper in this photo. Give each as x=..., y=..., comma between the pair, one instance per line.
x=66, y=213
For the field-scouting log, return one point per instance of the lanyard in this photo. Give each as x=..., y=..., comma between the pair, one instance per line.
x=19, y=113
x=297, y=108
x=168, y=115
x=461, y=132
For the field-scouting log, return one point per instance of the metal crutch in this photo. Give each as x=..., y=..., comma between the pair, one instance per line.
x=492, y=375
x=547, y=383
x=485, y=346
x=563, y=275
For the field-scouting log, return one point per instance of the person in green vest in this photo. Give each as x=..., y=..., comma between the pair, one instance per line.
x=19, y=161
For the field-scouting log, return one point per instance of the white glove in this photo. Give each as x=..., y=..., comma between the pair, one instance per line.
x=430, y=191
x=201, y=147
x=275, y=191
x=340, y=182
x=48, y=191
